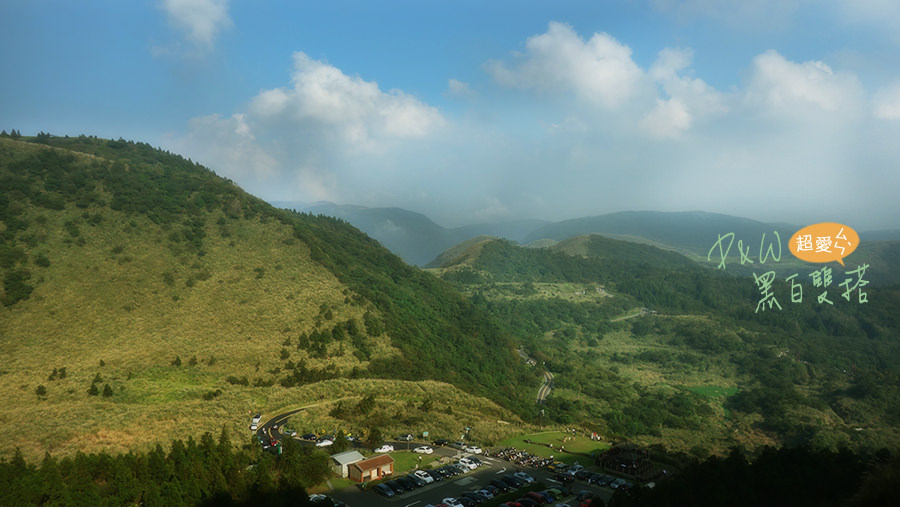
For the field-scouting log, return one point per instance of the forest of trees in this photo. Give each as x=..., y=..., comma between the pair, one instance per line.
x=775, y=477
x=209, y=472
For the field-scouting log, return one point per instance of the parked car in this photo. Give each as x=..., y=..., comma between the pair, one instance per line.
x=253, y=427
x=423, y=449
x=385, y=448
x=434, y=474
x=458, y=445
x=309, y=436
x=486, y=493
x=474, y=449
x=473, y=495
x=476, y=460
x=324, y=442
x=256, y=419
x=396, y=486
x=525, y=477
x=418, y=481
x=468, y=463
x=564, y=478
x=407, y=483
x=424, y=475
x=384, y=490
x=514, y=482
x=452, y=502
x=441, y=442
x=502, y=486
x=557, y=466
x=405, y=438
x=537, y=497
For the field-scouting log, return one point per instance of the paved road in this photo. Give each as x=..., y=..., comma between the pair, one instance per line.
x=544, y=391
x=271, y=429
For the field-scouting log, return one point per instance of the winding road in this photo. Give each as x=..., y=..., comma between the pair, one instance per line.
x=544, y=391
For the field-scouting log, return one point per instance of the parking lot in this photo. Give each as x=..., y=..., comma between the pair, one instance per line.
x=434, y=493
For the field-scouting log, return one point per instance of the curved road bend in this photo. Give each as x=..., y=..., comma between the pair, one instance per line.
x=265, y=430
x=544, y=391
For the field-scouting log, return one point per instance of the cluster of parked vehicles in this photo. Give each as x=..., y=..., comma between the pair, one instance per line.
x=496, y=486
x=569, y=473
x=421, y=478
x=505, y=484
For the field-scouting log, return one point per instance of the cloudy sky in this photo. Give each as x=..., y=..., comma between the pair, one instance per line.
x=469, y=111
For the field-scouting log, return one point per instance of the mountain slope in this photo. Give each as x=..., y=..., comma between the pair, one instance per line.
x=413, y=236
x=650, y=346
x=128, y=267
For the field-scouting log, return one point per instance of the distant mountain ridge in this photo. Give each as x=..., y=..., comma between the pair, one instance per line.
x=420, y=241
x=413, y=236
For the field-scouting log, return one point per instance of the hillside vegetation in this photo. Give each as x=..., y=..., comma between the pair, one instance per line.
x=647, y=345
x=144, y=297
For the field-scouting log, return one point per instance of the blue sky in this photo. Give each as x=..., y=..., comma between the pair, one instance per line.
x=782, y=110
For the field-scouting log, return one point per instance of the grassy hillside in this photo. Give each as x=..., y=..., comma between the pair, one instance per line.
x=645, y=344
x=145, y=297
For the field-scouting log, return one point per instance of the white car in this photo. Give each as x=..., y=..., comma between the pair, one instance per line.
x=452, y=502
x=525, y=477
x=324, y=443
x=253, y=427
x=468, y=463
x=474, y=449
x=423, y=450
x=257, y=418
x=385, y=448
x=425, y=476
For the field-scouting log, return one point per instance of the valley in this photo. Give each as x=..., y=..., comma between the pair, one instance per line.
x=146, y=300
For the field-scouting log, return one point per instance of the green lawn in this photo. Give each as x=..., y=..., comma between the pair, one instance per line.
x=539, y=446
x=404, y=461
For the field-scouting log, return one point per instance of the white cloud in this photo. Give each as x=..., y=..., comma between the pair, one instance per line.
x=668, y=119
x=887, y=102
x=599, y=70
x=229, y=146
x=459, y=88
x=324, y=136
x=784, y=87
x=200, y=20
x=796, y=141
x=698, y=96
x=350, y=107
x=689, y=98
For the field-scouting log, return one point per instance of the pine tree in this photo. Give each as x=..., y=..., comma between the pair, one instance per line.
x=107, y=391
x=93, y=391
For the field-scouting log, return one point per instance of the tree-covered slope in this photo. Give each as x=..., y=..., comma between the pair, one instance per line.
x=645, y=344
x=142, y=295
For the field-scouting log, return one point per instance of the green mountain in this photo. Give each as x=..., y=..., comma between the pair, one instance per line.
x=413, y=236
x=651, y=346
x=144, y=296
x=689, y=231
